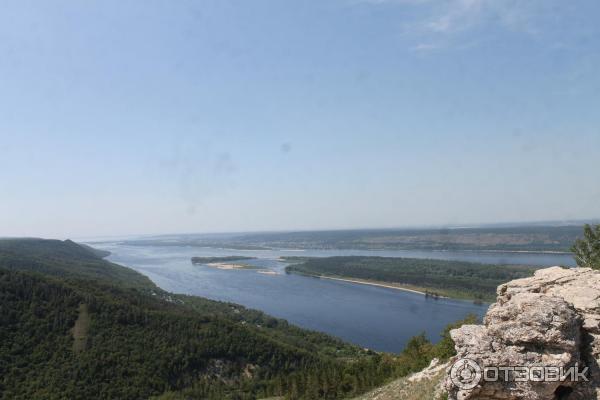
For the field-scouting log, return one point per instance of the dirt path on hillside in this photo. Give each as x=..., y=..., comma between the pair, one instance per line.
x=80, y=329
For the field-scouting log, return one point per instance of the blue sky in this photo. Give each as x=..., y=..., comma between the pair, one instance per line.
x=125, y=117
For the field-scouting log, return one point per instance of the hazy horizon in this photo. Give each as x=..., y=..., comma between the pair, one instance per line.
x=483, y=225
x=131, y=118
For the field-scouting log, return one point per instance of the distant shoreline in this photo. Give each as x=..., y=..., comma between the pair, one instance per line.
x=554, y=252
x=516, y=251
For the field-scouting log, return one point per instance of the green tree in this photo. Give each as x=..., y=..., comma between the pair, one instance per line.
x=444, y=349
x=587, y=249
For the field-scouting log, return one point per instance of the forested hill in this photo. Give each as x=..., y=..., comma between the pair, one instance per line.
x=66, y=259
x=75, y=326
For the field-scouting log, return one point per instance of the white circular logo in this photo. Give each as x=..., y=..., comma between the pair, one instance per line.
x=466, y=374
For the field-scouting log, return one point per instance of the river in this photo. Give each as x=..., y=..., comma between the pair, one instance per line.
x=372, y=317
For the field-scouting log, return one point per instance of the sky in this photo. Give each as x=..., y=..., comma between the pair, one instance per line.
x=160, y=116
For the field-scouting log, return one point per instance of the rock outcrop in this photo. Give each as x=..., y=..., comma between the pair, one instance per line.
x=551, y=322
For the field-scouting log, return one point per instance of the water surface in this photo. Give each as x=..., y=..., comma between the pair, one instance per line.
x=373, y=317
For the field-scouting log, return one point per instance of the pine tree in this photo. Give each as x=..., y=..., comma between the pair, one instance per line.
x=587, y=249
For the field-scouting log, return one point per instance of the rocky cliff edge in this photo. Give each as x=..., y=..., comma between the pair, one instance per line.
x=539, y=327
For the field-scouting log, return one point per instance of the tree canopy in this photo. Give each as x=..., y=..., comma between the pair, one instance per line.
x=587, y=249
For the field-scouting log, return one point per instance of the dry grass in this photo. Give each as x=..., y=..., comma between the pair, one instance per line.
x=403, y=389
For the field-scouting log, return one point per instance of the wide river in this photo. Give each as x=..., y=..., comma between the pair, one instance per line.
x=373, y=317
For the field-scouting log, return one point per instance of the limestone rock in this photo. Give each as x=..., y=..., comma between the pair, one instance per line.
x=549, y=320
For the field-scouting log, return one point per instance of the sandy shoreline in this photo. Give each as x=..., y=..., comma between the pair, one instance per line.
x=376, y=284
x=234, y=266
x=227, y=266
x=268, y=272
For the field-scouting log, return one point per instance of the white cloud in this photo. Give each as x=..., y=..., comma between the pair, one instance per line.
x=438, y=24
x=425, y=47
x=460, y=14
x=450, y=16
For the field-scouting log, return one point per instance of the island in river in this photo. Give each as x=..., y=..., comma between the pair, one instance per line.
x=436, y=278
x=227, y=262
x=212, y=260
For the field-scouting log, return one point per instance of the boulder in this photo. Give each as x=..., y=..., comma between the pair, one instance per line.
x=550, y=321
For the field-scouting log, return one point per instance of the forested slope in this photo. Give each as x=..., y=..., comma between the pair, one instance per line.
x=140, y=341
x=66, y=259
